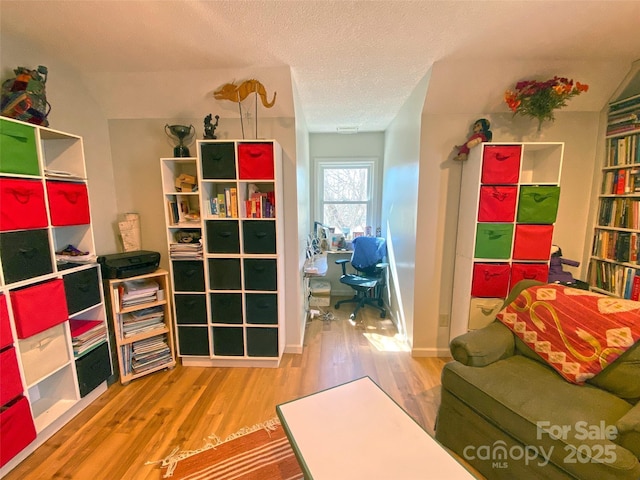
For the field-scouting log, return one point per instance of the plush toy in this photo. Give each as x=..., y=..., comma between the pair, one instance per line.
x=556, y=273
x=481, y=133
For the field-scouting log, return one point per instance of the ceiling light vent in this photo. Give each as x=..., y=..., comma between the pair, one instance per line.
x=347, y=130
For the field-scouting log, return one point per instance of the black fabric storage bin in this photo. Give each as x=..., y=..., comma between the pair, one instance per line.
x=227, y=341
x=226, y=308
x=93, y=369
x=261, y=308
x=259, y=236
x=82, y=290
x=191, y=309
x=224, y=274
x=193, y=341
x=188, y=276
x=262, y=342
x=25, y=254
x=218, y=160
x=260, y=274
x=223, y=236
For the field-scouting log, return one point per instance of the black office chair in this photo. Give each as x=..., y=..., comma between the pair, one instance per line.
x=369, y=280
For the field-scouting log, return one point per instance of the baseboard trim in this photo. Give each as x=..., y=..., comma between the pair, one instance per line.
x=430, y=352
x=295, y=349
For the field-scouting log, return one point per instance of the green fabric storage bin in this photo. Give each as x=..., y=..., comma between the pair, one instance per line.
x=18, y=152
x=538, y=204
x=493, y=240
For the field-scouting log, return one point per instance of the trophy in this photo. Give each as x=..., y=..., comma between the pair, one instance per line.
x=179, y=133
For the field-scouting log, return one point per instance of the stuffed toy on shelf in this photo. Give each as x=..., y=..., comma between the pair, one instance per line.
x=481, y=133
x=556, y=273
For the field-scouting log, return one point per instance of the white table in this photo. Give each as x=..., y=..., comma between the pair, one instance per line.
x=356, y=431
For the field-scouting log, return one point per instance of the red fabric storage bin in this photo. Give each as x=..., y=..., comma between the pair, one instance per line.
x=10, y=381
x=529, y=271
x=16, y=429
x=6, y=338
x=68, y=203
x=23, y=205
x=255, y=161
x=501, y=164
x=497, y=204
x=490, y=280
x=532, y=242
x=39, y=307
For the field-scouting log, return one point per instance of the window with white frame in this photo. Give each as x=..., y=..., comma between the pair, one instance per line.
x=346, y=194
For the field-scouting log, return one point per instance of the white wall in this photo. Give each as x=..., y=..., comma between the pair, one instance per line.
x=400, y=208
x=74, y=111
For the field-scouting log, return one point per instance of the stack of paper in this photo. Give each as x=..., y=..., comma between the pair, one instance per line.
x=138, y=292
x=181, y=251
x=150, y=353
x=142, y=321
x=86, y=334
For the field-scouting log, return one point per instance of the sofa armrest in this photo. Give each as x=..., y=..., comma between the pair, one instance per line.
x=479, y=348
x=630, y=421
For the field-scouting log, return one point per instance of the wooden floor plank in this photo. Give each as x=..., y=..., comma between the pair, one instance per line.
x=130, y=425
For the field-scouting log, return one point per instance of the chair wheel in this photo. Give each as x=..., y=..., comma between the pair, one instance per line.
x=383, y=313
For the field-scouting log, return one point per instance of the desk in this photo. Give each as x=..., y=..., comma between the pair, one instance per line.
x=356, y=431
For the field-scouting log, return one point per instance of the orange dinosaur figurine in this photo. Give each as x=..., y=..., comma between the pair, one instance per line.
x=237, y=93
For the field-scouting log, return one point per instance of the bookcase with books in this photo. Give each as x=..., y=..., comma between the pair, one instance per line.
x=142, y=321
x=226, y=247
x=614, y=266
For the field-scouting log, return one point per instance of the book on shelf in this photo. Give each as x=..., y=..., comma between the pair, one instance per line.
x=222, y=206
x=635, y=287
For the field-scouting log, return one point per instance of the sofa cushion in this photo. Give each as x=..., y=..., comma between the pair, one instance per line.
x=526, y=398
x=622, y=377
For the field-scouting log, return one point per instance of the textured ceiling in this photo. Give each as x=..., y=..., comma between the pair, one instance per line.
x=353, y=63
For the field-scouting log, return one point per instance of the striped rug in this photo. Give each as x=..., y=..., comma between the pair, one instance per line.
x=261, y=452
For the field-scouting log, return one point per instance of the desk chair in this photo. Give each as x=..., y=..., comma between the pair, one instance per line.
x=369, y=279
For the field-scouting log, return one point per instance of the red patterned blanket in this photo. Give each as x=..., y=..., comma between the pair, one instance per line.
x=577, y=332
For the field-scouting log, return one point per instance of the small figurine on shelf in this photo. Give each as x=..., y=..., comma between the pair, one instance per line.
x=210, y=128
x=481, y=133
x=556, y=273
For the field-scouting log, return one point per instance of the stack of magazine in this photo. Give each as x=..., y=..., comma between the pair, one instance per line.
x=149, y=353
x=86, y=334
x=138, y=292
x=141, y=321
x=186, y=251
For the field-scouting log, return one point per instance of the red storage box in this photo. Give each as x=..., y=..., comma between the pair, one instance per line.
x=529, y=271
x=6, y=338
x=490, y=280
x=16, y=429
x=68, y=203
x=255, y=161
x=10, y=381
x=39, y=307
x=501, y=164
x=497, y=204
x=532, y=242
x=23, y=204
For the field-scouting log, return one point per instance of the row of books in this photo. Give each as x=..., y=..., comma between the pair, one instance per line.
x=184, y=209
x=616, y=246
x=142, y=321
x=624, y=115
x=619, y=182
x=623, y=151
x=86, y=334
x=145, y=355
x=621, y=212
x=257, y=205
x=619, y=280
x=136, y=292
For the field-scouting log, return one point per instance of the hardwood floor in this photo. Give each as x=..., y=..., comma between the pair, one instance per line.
x=128, y=426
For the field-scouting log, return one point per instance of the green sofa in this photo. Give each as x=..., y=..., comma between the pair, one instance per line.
x=511, y=416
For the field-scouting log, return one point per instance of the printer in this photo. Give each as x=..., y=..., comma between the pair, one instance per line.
x=129, y=264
